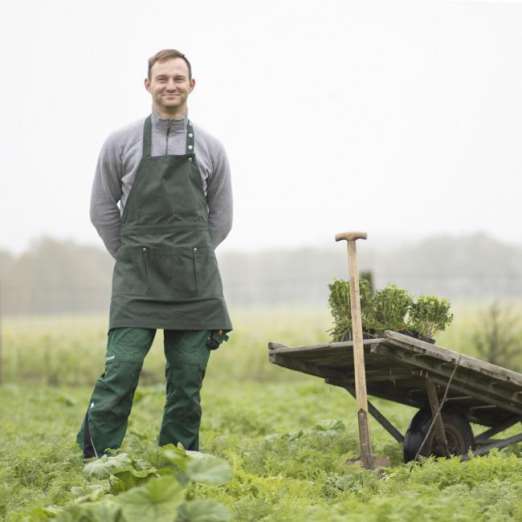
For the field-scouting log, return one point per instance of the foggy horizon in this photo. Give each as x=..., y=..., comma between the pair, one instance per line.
x=372, y=243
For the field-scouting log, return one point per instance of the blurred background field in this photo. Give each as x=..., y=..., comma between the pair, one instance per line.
x=54, y=299
x=69, y=349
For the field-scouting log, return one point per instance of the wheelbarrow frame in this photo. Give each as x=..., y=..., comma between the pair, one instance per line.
x=410, y=371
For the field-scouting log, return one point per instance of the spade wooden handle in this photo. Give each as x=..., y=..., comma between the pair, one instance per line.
x=350, y=236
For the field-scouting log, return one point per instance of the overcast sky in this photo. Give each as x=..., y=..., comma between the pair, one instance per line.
x=403, y=119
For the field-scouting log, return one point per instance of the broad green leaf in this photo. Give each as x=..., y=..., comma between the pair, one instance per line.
x=203, y=511
x=171, y=459
x=208, y=469
x=74, y=513
x=174, y=455
x=105, y=466
x=90, y=493
x=103, y=511
x=130, y=478
x=157, y=501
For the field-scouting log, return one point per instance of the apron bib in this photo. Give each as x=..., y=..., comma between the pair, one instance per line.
x=166, y=274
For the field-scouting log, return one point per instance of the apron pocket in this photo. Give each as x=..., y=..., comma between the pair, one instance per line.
x=130, y=276
x=171, y=273
x=207, y=273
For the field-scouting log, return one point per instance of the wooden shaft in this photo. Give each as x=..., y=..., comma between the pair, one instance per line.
x=358, y=358
x=358, y=347
x=364, y=438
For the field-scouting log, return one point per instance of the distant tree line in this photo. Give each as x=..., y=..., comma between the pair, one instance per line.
x=54, y=276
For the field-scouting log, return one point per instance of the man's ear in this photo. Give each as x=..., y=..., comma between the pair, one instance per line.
x=192, y=84
x=146, y=82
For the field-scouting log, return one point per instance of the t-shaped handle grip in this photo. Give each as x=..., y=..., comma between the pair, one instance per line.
x=350, y=236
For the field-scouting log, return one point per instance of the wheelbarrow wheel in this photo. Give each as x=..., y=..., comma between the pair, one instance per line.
x=458, y=434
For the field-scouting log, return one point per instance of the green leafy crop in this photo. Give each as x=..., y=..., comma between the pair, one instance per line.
x=290, y=443
x=138, y=491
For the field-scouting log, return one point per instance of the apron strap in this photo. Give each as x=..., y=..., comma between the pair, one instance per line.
x=190, y=138
x=147, y=138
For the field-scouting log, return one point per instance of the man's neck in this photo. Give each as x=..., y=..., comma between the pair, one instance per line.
x=175, y=114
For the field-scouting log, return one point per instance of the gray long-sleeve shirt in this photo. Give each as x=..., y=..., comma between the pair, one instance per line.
x=118, y=163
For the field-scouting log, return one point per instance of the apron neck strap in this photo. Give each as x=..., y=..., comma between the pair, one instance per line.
x=190, y=138
x=147, y=138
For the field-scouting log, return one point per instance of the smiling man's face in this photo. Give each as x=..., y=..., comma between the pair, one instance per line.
x=170, y=85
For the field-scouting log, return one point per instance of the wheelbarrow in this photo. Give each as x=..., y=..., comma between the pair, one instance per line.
x=450, y=390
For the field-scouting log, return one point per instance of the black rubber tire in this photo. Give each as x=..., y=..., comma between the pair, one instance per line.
x=458, y=433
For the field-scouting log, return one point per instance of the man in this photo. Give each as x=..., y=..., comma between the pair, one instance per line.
x=161, y=202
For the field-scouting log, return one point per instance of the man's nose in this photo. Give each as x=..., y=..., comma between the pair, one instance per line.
x=171, y=85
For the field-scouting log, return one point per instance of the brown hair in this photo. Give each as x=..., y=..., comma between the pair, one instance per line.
x=168, y=54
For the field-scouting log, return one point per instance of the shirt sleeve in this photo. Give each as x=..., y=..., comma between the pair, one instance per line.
x=219, y=197
x=106, y=193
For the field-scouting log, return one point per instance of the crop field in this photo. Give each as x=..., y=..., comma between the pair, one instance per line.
x=284, y=443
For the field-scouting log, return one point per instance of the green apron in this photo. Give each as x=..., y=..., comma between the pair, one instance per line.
x=166, y=274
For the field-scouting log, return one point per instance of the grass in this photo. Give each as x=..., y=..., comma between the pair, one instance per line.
x=289, y=437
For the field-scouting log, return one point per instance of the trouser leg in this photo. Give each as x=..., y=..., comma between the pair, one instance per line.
x=105, y=422
x=187, y=357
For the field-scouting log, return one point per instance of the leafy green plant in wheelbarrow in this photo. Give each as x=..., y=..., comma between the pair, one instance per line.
x=391, y=308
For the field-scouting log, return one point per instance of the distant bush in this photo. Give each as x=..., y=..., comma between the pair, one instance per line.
x=498, y=336
x=391, y=308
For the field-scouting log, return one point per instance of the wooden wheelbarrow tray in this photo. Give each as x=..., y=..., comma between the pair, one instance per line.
x=409, y=371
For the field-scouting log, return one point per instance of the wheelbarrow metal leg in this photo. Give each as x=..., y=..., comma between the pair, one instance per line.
x=483, y=437
x=382, y=420
x=495, y=444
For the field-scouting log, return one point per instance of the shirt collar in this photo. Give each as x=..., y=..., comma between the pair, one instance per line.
x=172, y=125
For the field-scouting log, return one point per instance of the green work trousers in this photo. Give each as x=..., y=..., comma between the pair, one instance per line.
x=187, y=354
